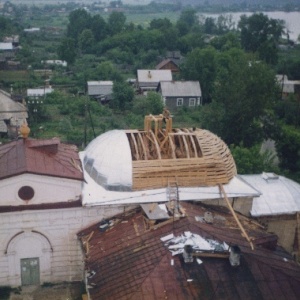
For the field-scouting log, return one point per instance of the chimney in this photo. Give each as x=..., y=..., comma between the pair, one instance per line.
x=188, y=253
x=149, y=74
x=234, y=256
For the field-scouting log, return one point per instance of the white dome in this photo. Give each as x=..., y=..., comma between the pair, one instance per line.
x=108, y=161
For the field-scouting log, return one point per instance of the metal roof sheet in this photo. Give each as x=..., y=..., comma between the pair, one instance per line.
x=96, y=88
x=6, y=46
x=154, y=75
x=43, y=157
x=279, y=195
x=180, y=88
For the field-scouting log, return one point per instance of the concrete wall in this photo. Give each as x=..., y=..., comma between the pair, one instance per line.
x=285, y=229
x=49, y=235
x=242, y=205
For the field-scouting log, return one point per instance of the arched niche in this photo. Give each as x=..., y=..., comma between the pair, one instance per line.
x=28, y=244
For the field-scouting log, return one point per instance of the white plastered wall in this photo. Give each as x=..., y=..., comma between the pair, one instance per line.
x=46, y=189
x=49, y=235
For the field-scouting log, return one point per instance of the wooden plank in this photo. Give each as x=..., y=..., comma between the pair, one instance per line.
x=235, y=217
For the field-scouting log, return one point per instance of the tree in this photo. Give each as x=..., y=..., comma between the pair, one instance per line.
x=123, y=94
x=287, y=147
x=99, y=27
x=252, y=160
x=79, y=20
x=200, y=65
x=244, y=89
x=261, y=34
x=116, y=22
x=187, y=21
x=86, y=40
x=67, y=51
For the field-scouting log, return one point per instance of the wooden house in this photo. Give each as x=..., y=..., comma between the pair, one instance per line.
x=177, y=94
x=168, y=64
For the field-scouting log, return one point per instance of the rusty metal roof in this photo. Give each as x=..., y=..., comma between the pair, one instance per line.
x=43, y=157
x=126, y=261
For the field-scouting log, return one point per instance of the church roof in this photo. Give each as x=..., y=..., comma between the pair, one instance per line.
x=43, y=157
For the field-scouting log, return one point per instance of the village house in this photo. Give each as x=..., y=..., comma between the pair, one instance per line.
x=176, y=94
x=100, y=90
x=148, y=80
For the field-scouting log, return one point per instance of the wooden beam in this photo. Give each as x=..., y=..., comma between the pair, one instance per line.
x=236, y=217
x=211, y=254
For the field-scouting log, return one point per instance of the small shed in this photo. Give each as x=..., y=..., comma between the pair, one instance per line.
x=100, y=90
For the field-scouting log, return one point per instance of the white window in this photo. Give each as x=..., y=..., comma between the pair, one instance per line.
x=192, y=101
x=179, y=101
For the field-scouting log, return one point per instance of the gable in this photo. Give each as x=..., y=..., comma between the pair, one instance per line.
x=30, y=189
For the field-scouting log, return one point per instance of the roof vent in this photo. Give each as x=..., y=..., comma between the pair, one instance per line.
x=269, y=176
x=235, y=256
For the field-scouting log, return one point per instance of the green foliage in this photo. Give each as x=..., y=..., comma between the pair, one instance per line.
x=200, y=64
x=86, y=40
x=187, y=21
x=145, y=105
x=123, y=94
x=287, y=147
x=261, y=34
x=252, y=160
x=116, y=22
x=244, y=89
x=67, y=51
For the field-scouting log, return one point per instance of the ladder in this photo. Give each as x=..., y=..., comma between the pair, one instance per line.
x=173, y=197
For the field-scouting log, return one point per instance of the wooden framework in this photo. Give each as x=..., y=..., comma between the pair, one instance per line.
x=192, y=157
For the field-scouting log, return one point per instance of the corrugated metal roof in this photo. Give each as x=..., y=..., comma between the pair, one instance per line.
x=43, y=157
x=180, y=88
x=96, y=88
x=279, y=195
x=39, y=92
x=154, y=75
x=129, y=261
x=6, y=46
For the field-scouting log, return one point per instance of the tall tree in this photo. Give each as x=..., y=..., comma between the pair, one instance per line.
x=79, y=20
x=200, y=65
x=67, y=51
x=261, y=34
x=244, y=90
x=116, y=22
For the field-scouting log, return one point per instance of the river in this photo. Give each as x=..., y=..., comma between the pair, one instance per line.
x=291, y=19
